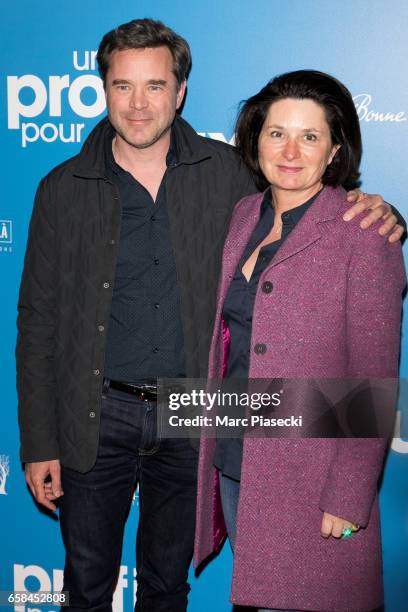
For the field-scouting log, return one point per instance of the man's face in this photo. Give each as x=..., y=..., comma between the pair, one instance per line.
x=142, y=94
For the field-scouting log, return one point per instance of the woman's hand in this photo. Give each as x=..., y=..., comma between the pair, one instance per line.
x=333, y=526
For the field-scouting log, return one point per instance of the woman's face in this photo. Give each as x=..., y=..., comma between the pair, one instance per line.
x=295, y=146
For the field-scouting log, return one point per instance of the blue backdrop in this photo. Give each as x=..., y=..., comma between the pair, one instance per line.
x=51, y=97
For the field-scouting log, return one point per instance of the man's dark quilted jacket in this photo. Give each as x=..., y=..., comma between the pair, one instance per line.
x=68, y=278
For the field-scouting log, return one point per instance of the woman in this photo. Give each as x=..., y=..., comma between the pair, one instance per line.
x=302, y=295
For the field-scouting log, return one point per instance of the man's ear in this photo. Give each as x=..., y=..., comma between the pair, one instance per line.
x=181, y=93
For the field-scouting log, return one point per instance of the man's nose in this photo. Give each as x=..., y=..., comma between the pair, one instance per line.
x=138, y=99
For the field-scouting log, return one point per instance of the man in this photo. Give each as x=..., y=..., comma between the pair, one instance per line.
x=119, y=289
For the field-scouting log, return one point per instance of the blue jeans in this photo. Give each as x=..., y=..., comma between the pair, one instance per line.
x=229, y=489
x=95, y=506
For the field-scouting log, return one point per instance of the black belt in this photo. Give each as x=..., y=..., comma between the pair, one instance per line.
x=144, y=392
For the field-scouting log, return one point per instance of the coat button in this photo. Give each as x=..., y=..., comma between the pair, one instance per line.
x=106, y=285
x=92, y=415
x=260, y=349
x=101, y=328
x=267, y=287
x=96, y=372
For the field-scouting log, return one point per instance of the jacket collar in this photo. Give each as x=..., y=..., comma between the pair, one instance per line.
x=91, y=161
x=307, y=231
x=324, y=208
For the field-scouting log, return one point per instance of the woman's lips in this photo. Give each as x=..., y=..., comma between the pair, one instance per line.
x=289, y=169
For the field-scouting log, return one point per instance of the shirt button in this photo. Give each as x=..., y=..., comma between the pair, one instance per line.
x=157, y=306
x=92, y=415
x=101, y=328
x=260, y=349
x=153, y=218
x=156, y=261
x=155, y=350
x=267, y=287
x=96, y=372
x=106, y=285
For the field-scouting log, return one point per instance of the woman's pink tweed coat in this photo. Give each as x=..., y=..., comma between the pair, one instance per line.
x=334, y=312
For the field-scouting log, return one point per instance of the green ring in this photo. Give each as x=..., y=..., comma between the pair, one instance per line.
x=346, y=533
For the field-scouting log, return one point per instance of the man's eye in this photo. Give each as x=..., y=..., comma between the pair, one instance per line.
x=122, y=87
x=154, y=87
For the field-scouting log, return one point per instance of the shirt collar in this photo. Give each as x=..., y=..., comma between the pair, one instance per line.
x=171, y=157
x=293, y=215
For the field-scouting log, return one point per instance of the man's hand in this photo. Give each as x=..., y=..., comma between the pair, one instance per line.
x=44, y=480
x=378, y=210
x=333, y=526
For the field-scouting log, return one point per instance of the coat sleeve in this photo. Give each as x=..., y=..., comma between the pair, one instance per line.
x=36, y=335
x=373, y=313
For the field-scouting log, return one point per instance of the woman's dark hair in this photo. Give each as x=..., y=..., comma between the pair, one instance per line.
x=341, y=116
x=142, y=33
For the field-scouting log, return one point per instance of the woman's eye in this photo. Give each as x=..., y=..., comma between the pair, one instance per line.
x=310, y=137
x=276, y=134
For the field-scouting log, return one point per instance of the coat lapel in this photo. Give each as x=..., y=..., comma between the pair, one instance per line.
x=243, y=226
x=307, y=231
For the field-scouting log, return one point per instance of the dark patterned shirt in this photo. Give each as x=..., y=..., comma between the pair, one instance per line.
x=145, y=337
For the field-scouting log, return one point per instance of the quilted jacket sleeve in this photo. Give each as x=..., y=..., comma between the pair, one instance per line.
x=376, y=282
x=36, y=335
